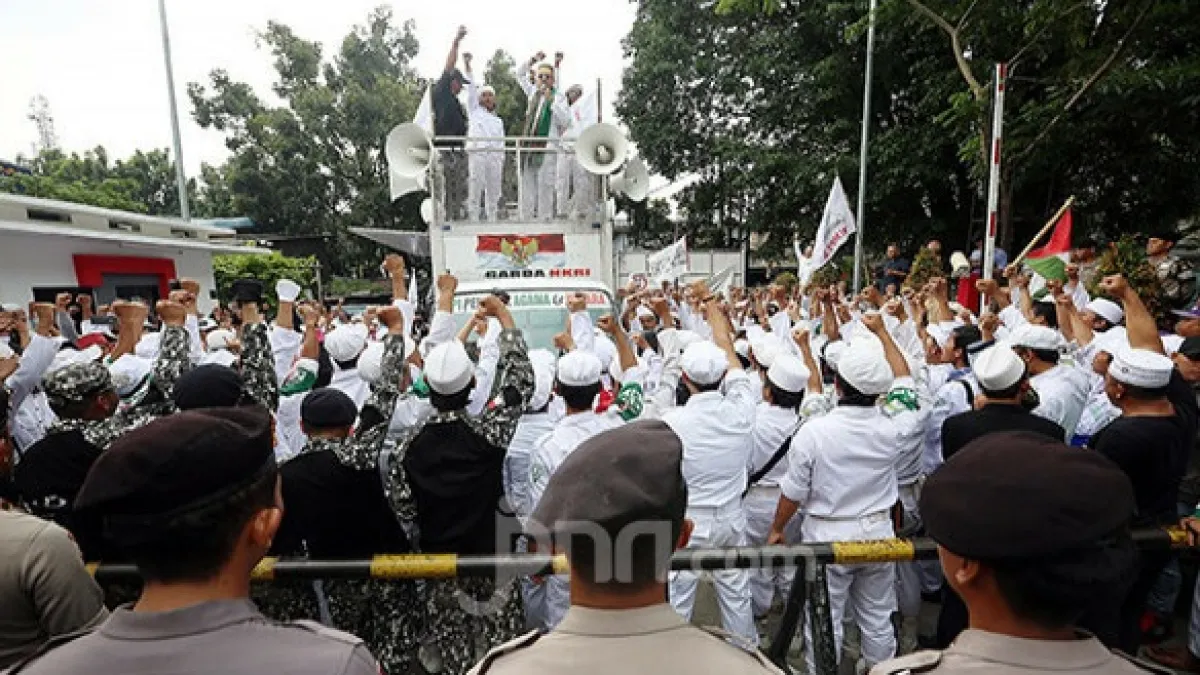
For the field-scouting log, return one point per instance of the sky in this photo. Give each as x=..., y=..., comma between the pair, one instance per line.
x=99, y=63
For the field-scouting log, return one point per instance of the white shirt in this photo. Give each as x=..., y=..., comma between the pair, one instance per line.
x=716, y=431
x=843, y=464
x=531, y=428
x=1099, y=410
x=1062, y=395
x=285, y=346
x=560, y=111
x=772, y=426
x=351, y=384
x=33, y=414
x=553, y=448
x=951, y=399
x=482, y=123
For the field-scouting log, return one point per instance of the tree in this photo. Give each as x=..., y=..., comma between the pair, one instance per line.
x=268, y=269
x=315, y=164
x=143, y=183
x=1101, y=104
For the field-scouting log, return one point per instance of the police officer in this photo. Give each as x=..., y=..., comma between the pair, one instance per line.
x=194, y=500
x=624, y=485
x=1026, y=577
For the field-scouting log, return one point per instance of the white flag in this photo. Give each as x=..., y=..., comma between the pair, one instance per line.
x=585, y=112
x=424, y=116
x=412, y=290
x=837, y=224
x=670, y=263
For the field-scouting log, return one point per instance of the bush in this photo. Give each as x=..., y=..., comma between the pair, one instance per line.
x=1127, y=257
x=268, y=269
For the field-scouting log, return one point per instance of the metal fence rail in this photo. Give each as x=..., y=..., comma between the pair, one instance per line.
x=808, y=588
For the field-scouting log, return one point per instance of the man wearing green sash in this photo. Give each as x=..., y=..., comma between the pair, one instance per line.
x=547, y=116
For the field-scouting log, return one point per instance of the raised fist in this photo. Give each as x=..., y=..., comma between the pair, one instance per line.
x=873, y=321
x=447, y=284
x=1114, y=286
x=394, y=264
x=607, y=324
x=576, y=302
x=492, y=306
x=391, y=317
x=462, y=33
x=564, y=342
x=62, y=300
x=191, y=286
x=171, y=312
x=130, y=312
x=84, y=300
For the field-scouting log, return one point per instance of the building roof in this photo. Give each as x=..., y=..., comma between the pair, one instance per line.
x=32, y=215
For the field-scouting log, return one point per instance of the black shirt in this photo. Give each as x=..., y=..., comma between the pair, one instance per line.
x=1154, y=452
x=449, y=117
x=456, y=479
x=889, y=264
x=48, y=478
x=959, y=430
x=333, y=511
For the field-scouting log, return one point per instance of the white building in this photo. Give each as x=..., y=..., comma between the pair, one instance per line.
x=48, y=246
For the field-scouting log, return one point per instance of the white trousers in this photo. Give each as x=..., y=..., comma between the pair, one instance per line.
x=485, y=171
x=537, y=186
x=868, y=591
x=716, y=528
x=760, y=504
x=574, y=189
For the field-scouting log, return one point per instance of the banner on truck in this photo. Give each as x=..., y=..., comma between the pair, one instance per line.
x=520, y=252
x=670, y=263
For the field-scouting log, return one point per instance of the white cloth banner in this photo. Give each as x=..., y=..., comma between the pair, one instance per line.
x=584, y=113
x=424, y=116
x=670, y=263
x=837, y=224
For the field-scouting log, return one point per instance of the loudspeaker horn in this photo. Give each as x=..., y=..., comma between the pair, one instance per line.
x=960, y=266
x=409, y=150
x=427, y=211
x=400, y=185
x=601, y=149
x=633, y=182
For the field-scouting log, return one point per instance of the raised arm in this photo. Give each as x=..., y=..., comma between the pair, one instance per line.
x=515, y=382
x=897, y=362
x=1139, y=323
x=452, y=57
x=258, y=361
x=472, y=85
x=526, y=79
x=174, y=353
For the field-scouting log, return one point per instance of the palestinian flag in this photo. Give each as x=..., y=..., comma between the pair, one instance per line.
x=520, y=251
x=1050, y=261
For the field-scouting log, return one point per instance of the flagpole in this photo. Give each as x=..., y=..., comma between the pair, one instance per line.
x=988, y=263
x=180, y=176
x=861, y=216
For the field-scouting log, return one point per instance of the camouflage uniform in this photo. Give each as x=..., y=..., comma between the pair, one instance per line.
x=1177, y=280
x=258, y=365
x=387, y=615
x=468, y=616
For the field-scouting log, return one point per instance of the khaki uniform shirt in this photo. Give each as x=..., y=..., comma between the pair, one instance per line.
x=977, y=651
x=44, y=588
x=602, y=642
x=225, y=636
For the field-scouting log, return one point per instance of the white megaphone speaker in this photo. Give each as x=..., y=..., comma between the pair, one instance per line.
x=427, y=211
x=409, y=150
x=399, y=185
x=960, y=266
x=633, y=182
x=601, y=149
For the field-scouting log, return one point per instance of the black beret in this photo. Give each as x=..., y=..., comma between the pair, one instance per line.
x=328, y=409
x=179, y=464
x=1020, y=495
x=208, y=386
x=630, y=474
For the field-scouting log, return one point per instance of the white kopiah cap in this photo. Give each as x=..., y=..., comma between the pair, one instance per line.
x=1106, y=309
x=128, y=373
x=832, y=352
x=742, y=347
x=864, y=367
x=287, y=290
x=220, y=357
x=219, y=339
x=789, y=373
x=1035, y=337
x=1141, y=368
x=448, y=369
x=704, y=363
x=579, y=369
x=643, y=311
x=6, y=352
x=543, y=377
x=147, y=347
x=998, y=367
x=1111, y=340
x=345, y=343
x=370, y=363
x=207, y=324
x=765, y=350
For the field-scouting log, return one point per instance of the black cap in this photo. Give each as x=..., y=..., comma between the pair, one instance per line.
x=328, y=409
x=1191, y=348
x=177, y=465
x=208, y=386
x=1021, y=495
x=247, y=290
x=630, y=474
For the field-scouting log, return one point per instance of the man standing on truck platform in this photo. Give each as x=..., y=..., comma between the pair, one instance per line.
x=485, y=158
x=547, y=116
x=449, y=119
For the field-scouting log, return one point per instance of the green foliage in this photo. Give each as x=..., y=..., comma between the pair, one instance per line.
x=143, y=183
x=786, y=279
x=340, y=287
x=925, y=266
x=314, y=162
x=268, y=269
x=841, y=270
x=765, y=106
x=1127, y=257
